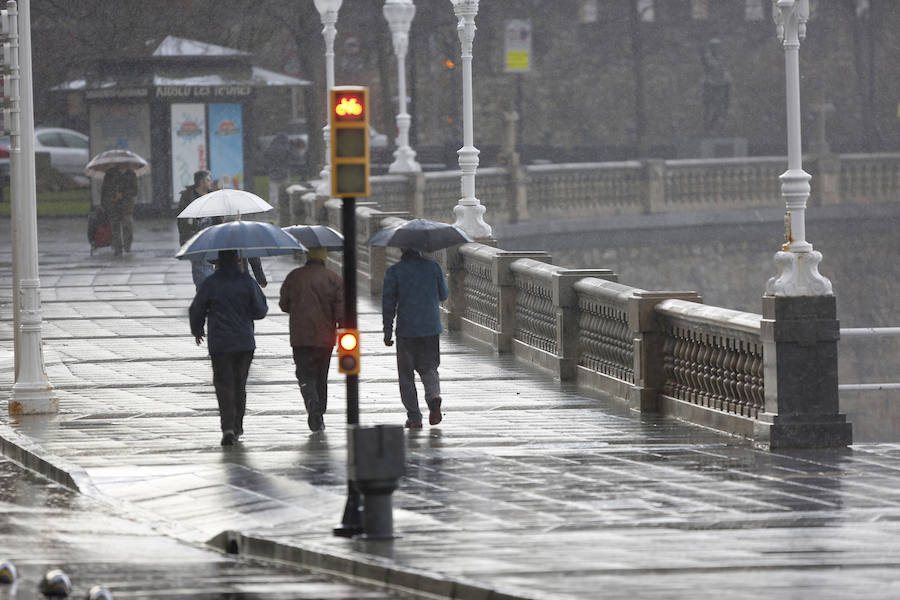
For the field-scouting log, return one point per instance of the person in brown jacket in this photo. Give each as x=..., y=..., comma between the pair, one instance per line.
x=314, y=298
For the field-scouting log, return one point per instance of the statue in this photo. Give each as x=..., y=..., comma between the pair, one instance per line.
x=716, y=87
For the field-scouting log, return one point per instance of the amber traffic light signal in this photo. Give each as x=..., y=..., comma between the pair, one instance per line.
x=348, y=351
x=349, y=120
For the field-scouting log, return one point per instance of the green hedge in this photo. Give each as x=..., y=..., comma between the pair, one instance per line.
x=66, y=203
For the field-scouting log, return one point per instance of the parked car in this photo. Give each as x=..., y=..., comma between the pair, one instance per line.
x=68, y=149
x=299, y=141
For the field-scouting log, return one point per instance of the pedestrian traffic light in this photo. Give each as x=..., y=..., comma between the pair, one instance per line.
x=348, y=351
x=349, y=120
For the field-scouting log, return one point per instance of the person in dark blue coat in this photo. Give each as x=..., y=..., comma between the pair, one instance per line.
x=413, y=291
x=230, y=301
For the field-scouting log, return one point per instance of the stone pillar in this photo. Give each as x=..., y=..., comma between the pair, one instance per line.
x=296, y=209
x=800, y=335
x=505, y=280
x=655, y=178
x=377, y=254
x=455, y=306
x=416, y=195
x=314, y=212
x=565, y=300
x=827, y=184
x=649, y=342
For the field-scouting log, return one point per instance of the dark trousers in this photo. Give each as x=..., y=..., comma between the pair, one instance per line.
x=230, y=371
x=422, y=355
x=312, y=374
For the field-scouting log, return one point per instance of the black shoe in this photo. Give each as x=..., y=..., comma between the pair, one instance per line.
x=228, y=438
x=413, y=425
x=434, y=415
x=315, y=422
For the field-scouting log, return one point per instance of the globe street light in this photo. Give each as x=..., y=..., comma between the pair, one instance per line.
x=469, y=212
x=399, y=15
x=798, y=263
x=328, y=13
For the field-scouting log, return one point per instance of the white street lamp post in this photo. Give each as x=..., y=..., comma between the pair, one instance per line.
x=798, y=263
x=399, y=15
x=469, y=212
x=328, y=13
x=32, y=392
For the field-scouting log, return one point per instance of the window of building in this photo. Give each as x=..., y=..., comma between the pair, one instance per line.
x=755, y=10
x=646, y=11
x=588, y=11
x=700, y=9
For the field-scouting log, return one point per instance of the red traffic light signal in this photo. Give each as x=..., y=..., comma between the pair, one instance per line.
x=348, y=351
x=349, y=121
x=349, y=107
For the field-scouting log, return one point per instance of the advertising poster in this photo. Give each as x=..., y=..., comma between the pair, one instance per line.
x=226, y=147
x=189, y=152
x=125, y=126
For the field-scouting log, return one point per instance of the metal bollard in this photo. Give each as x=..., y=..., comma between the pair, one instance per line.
x=377, y=458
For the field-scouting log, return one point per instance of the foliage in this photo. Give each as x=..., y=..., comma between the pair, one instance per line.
x=67, y=203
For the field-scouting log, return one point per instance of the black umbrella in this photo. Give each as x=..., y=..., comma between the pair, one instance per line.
x=420, y=234
x=317, y=236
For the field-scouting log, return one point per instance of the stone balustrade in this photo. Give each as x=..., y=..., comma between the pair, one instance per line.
x=770, y=378
x=564, y=191
x=713, y=358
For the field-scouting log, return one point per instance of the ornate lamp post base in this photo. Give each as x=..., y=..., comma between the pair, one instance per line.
x=798, y=275
x=33, y=401
x=405, y=161
x=470, y=218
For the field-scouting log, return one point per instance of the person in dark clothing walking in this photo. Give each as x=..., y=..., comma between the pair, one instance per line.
x=117, y=197
x=200, y=267
x=230, y=301
x=314, y=298
x=413, y=290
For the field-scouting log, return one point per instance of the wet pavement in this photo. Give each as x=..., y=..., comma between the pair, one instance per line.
x=46, y=526
x=528, y=489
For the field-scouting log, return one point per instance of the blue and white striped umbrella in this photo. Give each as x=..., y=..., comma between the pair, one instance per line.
x=249, y=238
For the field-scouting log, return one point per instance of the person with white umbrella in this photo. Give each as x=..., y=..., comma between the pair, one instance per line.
x=117, y=194
x=200, y=268
x=119, y=169
x=199, y=208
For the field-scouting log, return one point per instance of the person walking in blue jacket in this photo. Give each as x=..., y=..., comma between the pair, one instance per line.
x=413, y=290
x=230, y=301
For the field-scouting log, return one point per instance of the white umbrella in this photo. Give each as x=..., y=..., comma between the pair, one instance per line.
x=222, y=203
x=100, y=164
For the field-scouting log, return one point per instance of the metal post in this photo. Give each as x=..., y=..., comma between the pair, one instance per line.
x=399, y=15
x=798, y=262
x=328, y=13
x=351, y=523
x=469, y=212
x=32, y=392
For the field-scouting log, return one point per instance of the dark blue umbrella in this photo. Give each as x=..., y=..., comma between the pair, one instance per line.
x=317, y=236
x=420, y=234
x=249, y=238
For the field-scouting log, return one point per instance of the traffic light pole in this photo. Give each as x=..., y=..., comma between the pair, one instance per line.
x=351, y=523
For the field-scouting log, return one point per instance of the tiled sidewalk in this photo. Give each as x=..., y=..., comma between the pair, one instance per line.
x=528, y=489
